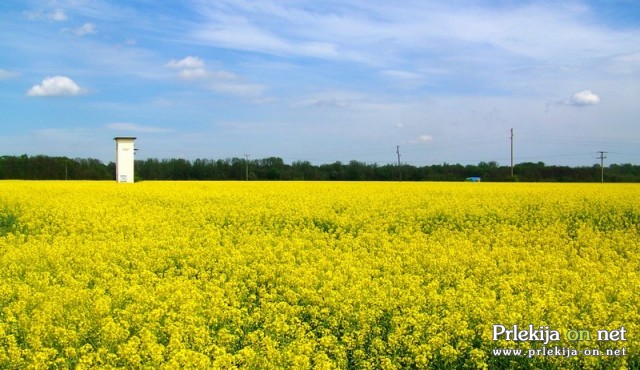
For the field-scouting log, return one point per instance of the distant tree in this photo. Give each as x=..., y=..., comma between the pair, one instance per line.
x=42, y=167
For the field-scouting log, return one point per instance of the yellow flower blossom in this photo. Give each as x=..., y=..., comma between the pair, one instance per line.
x=314, y=274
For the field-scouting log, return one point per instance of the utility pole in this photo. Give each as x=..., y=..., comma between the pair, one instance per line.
x=512, y=152
x=246, y=167
x=399, y=168
x=601, y=158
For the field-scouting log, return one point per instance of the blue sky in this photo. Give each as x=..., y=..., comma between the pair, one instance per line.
x=323, y=81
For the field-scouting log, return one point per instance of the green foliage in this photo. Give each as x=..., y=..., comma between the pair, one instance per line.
x=42, y=167
x=274, y=168
x=7, y=223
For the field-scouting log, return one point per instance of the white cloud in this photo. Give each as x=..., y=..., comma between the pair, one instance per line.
x=239, y=33
x=239, y=88
x=584, y=98
x=421, y=37
x=56, y=86
x=186, y=63
x=58, y=15
x=422, y=139
x=425, y=138
x=327, y=103
x=224, y=75
x=625, y=63
x=335, y=99
x=580, y=99
x=193, y=73
x=5, y=75
x=405, y=79
x=193, y=68
x=402, y=75
x=86, y=29
x=125, y=126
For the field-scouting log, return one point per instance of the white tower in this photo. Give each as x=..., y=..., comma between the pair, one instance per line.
x=124, y=158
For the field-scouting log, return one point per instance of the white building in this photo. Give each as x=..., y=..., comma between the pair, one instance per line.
x=124, y=158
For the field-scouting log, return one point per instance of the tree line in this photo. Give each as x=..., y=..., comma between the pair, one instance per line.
x=42, y=167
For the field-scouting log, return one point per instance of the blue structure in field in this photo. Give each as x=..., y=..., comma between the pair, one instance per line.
x=473, y=179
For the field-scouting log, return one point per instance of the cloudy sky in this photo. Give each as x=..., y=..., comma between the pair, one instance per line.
x=323, y=80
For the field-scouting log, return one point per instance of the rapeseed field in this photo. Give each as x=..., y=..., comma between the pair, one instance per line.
x=269, y=275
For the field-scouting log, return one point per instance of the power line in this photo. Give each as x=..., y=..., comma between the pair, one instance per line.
x=399, y=167
x=601, y=157
x=246, y=166
x=512, y=152
x=479, y=147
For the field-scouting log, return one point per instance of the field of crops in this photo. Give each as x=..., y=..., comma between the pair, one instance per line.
x=316, y=274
